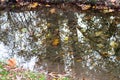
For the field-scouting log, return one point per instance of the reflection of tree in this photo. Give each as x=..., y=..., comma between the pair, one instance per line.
x=81, y=36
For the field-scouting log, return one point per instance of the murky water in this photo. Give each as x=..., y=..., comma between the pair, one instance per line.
x=85, y=44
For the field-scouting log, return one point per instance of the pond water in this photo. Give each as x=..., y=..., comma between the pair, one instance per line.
x=85, y=45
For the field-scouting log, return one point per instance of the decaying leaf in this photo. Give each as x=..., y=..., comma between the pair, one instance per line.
x=55, y=42
x=118, y=58
x=11, y=62
x=53, y=10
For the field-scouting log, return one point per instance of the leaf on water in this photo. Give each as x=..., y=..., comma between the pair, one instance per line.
x=33, y=5
x=11, y=62
x=100, y=45
x=98, y=33
x=79, y=60
x=85, y=7
x=55, y=42
x=112, y=1
x=105, y=54
x=66, y=39
x=24, y=30
x=48, y=25
x=108, y=10
x=113, y=44
x=118, y=58
x=53, y=11
x=47, y=5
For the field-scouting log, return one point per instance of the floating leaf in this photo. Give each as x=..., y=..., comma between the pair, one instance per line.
x=66, y=39
x=108, y=10
x=98, y=33
x=48, y=25
x=53, y=10
x=100, y=45
x=33, y=5
x=86, y=7
x=118, y=58
x=47, y=5
x=24, y=30
x=11, y=62
x=55, y=42
x=113, y=44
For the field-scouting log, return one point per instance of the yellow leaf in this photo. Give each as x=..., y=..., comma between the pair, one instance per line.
x=53, y=10
x=33, y=5
x=98, y=33
x=55, y=42
x=113, y=44
x=79, y=60
x=47, y=5
x=48, y=25
x=100, y=45
x=66, y=38
x=11, y=62
x=86, y=7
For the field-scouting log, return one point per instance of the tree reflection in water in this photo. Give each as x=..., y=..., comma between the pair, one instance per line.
x=88, y=43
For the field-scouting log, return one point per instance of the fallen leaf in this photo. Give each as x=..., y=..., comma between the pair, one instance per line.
x=11, y=62
x=85, y=7
x=53, y=10
x=66, y=38
x=33, y=5
x=47, y=5
x=55, y=42
x=112, y=1
x=98, y=33
x=118, y=58
x=113, y=44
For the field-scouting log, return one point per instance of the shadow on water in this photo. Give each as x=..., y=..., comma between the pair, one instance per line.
x=85, y=45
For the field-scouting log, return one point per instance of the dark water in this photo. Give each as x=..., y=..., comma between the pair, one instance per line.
x=83, y=44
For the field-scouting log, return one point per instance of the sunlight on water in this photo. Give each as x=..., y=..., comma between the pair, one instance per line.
x=4, y=53
x=26, y=64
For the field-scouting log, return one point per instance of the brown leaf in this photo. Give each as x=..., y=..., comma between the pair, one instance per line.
x=85, y=7
x=11, y=62
x=53, y=10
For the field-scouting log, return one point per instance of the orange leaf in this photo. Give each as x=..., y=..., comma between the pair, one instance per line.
x=33, y=5
x=53, y=10
x=11, y=62
x=55, y=42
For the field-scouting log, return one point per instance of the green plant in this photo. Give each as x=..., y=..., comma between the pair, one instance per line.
x=42, y=77
x=3, y=72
